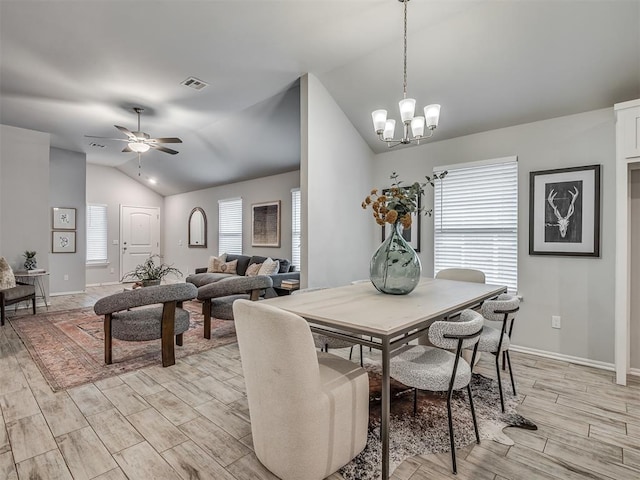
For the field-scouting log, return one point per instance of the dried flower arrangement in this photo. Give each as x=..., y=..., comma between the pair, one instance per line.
x=398, y=202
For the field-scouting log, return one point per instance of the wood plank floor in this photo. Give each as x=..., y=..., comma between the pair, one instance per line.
x=191, y=421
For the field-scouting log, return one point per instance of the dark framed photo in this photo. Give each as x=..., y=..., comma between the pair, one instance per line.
x=411, y=234
x=265, y=224
x=564, y=212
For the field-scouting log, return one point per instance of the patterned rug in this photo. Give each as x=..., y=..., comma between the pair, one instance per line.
x=68, y=346
x=428, y=431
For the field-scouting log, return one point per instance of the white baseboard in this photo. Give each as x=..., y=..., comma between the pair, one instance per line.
x=59, y=294
x=634, y=371
x=102, y=284
x=565, y=358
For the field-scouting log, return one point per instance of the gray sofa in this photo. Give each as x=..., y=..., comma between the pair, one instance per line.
x=287, y=271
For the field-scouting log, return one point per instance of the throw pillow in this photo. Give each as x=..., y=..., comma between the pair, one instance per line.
x=7, y=280
x=211, y=268
x=226, y=267
x=253, y=269
x=269, y=267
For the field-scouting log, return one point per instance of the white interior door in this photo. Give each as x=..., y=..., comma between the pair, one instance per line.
x=139, y=236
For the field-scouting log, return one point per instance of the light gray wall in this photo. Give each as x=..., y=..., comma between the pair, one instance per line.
x=336, y=174
x=109, y=186
x=580, y=290
x=178, y=208
x=25, y=216
x=634, y=270
x=67, y=185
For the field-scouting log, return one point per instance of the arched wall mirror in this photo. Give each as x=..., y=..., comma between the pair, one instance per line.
x=197, y=228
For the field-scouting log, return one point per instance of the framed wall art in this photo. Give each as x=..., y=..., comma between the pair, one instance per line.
x=412, y=234
x=63, y=242
x=64, y=218
x=564, y=212
x=265, y=224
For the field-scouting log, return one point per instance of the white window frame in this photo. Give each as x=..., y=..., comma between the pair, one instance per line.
x=230, y=226
x=476, y=219
x=296, y=228
x=99, y=233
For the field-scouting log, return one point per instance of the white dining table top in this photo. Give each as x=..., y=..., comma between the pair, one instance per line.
x=360, y=307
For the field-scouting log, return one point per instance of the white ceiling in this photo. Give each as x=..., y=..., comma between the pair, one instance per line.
x=75, y=68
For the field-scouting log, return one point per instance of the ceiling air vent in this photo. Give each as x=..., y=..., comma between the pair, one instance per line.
x=193, y=82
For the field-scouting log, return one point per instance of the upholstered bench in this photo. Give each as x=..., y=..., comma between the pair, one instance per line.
x=146, y=323
x=20, y=293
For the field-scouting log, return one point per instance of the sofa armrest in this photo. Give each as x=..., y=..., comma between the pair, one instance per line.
x=177, y=292
x=233, y=286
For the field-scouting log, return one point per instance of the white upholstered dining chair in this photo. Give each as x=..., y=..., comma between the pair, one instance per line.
x=309, y=410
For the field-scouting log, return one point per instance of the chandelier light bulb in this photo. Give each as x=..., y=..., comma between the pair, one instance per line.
x=389, y=129
x=432, y=115
x=139, y=147
x=379, y=120
x=407, y=109
x=417, y=126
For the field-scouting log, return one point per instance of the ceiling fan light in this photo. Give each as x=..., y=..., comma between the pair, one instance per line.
x=139, y=147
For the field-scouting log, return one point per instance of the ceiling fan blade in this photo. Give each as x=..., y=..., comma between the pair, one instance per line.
x=127, y=149
x=125, y=131
x=107, y=138
x=163, y=149
x=165, y=140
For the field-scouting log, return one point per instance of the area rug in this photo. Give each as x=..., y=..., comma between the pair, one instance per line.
x=428, y=431
x=68, y=346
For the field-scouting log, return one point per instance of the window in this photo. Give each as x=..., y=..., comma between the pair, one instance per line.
x=295, y=227
x=96, y=234
x=476, y=219
x=230, y=226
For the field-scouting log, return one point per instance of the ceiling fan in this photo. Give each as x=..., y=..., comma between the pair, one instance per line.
x=141, y=142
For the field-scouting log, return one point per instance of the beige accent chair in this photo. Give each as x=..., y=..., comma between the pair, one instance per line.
x=309, y=411
x=462, y=275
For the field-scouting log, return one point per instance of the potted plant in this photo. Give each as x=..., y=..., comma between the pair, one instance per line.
x=150, y=273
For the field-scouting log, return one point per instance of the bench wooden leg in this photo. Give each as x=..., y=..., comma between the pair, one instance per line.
x=2, y=312
x=33, y=304
x=107, y=339
x=168, y=329
x=206, y=310
x=179, y=339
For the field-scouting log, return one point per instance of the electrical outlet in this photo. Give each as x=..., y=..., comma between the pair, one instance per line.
x=66, y=277
x=555, y=321
x=179, y=243
x=112, y=270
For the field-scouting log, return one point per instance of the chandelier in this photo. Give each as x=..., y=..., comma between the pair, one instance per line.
x=385, y=128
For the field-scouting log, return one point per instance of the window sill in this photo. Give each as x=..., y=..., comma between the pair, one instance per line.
x=97, y=264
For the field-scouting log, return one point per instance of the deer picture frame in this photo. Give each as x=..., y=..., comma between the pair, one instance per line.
x=564, y=212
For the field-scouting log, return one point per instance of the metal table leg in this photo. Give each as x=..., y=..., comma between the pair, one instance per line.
x=385, y=408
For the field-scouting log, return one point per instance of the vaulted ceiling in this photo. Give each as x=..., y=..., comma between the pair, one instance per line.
x=76, y=68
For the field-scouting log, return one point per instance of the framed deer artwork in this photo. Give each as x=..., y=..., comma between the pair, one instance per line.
x=564, y=212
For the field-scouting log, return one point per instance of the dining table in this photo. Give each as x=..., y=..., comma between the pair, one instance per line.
x=363, y=315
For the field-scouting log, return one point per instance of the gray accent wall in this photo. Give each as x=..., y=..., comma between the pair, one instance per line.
x=109, y=186
x=67, y=185
x=24, y=196
x=580, y=290
x=335, y=176
x=265, y=189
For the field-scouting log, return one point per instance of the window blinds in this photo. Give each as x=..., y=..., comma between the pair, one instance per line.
x=295, y=227
x=97, y=234
x=230, y=226
x=476, y=220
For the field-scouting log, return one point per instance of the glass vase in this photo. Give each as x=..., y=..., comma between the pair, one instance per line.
x=395, y=267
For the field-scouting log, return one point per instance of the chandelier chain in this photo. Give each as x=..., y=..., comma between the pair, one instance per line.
x=404, y=85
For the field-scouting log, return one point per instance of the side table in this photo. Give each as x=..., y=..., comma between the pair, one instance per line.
x=37, y=280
